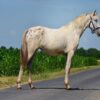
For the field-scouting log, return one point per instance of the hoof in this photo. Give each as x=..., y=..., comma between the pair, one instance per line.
x=67, y=86
x=31, y=86
x=19, y=88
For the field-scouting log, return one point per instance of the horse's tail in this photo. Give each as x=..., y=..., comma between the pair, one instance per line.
x=24, y=51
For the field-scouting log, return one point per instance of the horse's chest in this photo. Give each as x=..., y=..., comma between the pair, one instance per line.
x=72, y=42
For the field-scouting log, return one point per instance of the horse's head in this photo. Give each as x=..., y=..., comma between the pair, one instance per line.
x=94, y=23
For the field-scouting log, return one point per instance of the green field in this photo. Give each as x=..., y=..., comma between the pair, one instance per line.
x=10, y=61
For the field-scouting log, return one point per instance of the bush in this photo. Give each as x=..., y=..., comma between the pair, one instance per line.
x=9, y=62
x=79, y=61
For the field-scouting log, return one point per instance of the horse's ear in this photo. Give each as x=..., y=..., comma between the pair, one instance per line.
x=94, y=13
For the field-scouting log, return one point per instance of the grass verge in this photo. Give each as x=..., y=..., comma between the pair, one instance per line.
x=6, y=82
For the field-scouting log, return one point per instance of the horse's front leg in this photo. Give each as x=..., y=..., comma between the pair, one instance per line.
x=67, y=68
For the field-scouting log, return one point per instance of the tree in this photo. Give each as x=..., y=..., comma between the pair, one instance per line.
x=81, y=52
x=92, y=52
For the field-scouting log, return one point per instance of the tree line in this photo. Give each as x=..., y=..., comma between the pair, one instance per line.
x=91, y=52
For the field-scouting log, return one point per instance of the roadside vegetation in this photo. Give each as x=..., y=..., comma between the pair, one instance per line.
x=10, y=61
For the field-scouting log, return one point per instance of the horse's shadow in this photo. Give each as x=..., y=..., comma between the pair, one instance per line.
x=58, y=88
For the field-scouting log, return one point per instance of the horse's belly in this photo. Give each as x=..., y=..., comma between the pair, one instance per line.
x=54, y=47
x=53, y=52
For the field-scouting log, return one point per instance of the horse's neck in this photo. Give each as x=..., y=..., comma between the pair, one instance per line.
x=79, y=25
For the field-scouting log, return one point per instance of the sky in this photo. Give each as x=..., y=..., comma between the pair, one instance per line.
x=18, y=15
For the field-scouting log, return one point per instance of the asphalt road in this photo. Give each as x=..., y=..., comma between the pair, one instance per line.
x=85, y=86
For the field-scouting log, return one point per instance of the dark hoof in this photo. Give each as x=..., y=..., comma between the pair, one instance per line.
x=31, y=86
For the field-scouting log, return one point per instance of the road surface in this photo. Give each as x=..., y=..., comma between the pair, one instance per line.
x=85, y=86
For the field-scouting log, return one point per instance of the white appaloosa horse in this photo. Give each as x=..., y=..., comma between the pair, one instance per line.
x=63, y=40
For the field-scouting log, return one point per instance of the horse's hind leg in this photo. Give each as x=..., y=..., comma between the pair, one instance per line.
x=19, y=77
x=31, y=51
x=30, y=74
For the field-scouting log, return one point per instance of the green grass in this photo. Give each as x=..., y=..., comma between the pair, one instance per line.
x=98, y=62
